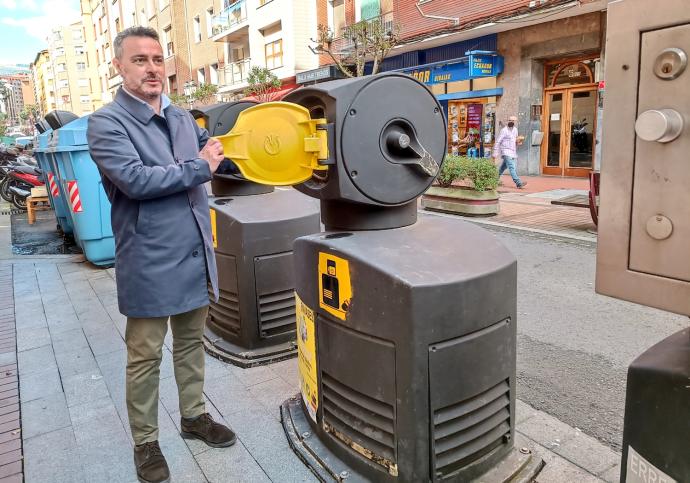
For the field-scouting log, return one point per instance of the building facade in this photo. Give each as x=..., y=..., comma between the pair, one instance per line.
x=207, y=41
x=540, y=60
x=66, y=76
x=42, y=72
x=275, y=34
x=12, y=98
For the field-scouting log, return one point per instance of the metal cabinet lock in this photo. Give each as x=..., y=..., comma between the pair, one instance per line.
x=670, y=63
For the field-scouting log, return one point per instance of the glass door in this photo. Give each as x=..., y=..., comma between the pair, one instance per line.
x=569, y=131
x=554, y=133
x=581, y=129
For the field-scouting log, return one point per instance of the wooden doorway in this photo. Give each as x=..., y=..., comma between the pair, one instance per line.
x=570, y=112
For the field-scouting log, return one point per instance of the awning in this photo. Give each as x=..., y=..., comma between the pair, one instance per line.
x=276, y=95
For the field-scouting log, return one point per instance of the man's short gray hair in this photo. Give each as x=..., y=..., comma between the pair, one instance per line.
x=133, y=32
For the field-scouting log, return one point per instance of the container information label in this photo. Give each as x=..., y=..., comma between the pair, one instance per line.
x=214, y=234
x=639, y=470
x=335, y=289
x=306, y=356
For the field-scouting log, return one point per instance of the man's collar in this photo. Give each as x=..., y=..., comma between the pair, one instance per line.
x=138, y=108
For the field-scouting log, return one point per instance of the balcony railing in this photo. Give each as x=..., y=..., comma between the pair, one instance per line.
x=234, y=73
x=232, y=16
x=344, y=44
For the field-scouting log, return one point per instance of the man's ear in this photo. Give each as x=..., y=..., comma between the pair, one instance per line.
x=117, y=65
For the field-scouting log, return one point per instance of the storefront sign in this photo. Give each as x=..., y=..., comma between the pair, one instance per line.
x=467, y=68
x=482, y=65
x=324, y=73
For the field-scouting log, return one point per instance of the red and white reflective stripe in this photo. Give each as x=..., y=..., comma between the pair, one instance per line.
x=53, y=185
x=74, y=196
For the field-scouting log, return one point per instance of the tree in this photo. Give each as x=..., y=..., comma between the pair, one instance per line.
x=367, y=40
x=205, y=93
x=177, y=99
x=30, y=113
x=261, y=82
x=3, y=123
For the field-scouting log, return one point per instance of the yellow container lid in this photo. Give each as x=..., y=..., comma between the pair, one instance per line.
x=276, y=143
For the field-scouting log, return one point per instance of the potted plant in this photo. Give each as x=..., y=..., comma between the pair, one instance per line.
x=465, y=186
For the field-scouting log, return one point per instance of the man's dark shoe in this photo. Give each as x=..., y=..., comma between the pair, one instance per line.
x=150, y=463
x=207, y=430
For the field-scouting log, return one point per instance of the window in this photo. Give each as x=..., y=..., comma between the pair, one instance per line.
x=264, y=2
x=336, y=17
x=143, y=20
x=59, y=51
x=172, y=84
x=83, y=82
x=274, y=54
x=197, y=29
x=84, y=99
x=209, y=22
x=201, y=76
x=117, y=25
x=65, y=99
x=167, y=41
x=79, y=50
x=214, y=73
x=77, y=35
x=81, y=66
x=62, y=83
x=61, y=68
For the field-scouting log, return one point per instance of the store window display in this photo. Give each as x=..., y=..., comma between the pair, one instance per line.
x=471, y=127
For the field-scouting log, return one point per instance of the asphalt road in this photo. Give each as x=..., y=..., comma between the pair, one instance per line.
x=574, y=345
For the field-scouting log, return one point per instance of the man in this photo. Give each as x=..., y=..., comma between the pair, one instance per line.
x=154, y=161
x=506, y=148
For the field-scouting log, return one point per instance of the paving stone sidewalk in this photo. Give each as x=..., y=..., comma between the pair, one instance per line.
x=71, y=359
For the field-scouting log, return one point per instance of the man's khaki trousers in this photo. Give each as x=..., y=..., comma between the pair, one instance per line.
x=144, y=338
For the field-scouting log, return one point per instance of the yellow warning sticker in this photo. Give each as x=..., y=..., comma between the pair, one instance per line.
x=306, y=356
x=213, y=228
x=335, y=290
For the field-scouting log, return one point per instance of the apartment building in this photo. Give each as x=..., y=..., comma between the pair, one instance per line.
x=17, y=92
x=208, y=41
x=275, y=34
x=541, y=60
x=68, y=77
x=42, y=72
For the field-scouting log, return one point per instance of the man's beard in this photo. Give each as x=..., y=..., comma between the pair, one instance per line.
x=145, y=86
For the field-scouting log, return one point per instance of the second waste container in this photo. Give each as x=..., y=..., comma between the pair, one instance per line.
x=48, y=165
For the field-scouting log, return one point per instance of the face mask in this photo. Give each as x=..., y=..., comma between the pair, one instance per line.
x=511, y=124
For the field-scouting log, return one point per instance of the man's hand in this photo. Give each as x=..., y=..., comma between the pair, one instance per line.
x=213, y=153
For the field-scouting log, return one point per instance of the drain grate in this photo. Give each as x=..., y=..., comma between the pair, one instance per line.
x=12, y=212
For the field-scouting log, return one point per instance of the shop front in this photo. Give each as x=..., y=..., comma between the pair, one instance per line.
x=466, y=88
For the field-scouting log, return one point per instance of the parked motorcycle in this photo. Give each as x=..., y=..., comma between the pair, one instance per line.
x=18, y=183
x=580, y=139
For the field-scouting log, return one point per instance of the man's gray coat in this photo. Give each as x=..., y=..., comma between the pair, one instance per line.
x=154, y=179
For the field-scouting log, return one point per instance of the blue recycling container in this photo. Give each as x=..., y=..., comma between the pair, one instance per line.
x=87, y=202
x=58, y=200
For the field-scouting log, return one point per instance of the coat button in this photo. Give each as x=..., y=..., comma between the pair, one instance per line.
x=196, y=167
x=195, y=253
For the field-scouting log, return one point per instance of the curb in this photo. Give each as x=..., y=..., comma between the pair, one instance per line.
x=498, y=226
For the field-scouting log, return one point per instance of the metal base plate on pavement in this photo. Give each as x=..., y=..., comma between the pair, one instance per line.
x=243, y=357
x=519, y=466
